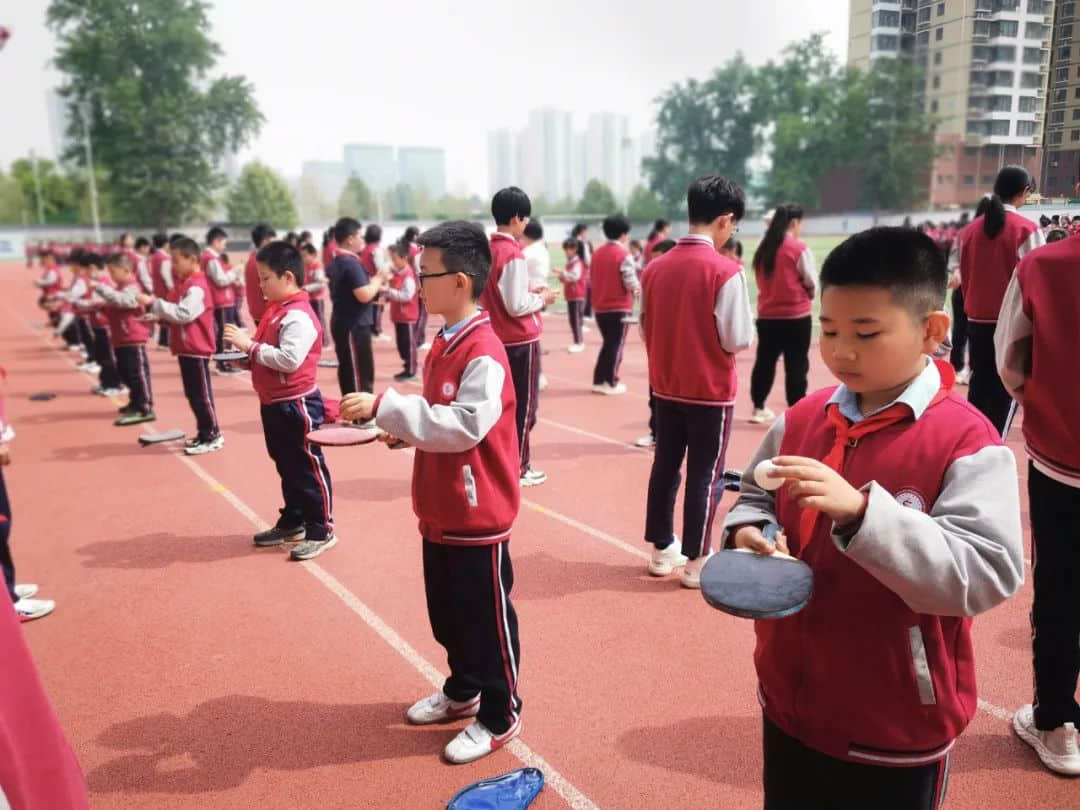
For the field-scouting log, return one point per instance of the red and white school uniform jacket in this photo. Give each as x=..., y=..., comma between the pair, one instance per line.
x=465, y=484
x=256, y=303
x=50, y=281
x=788, y=292
x=221, y=281
x=986, y=265
x=284, y=356
x=367, y=258
x=695, y=315
x=575, y=279
x=316, y=283
x=614, y=278
x=124, y=314
x=404, y=295
x=142, y=270
x=879, y=668
x=92, y=308
x=514, y=309
x=191, y=309
x=414, y=256
x=161, y=278
x=1035, y=341
x=329, y=252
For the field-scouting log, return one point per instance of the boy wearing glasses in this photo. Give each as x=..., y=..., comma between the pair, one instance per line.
x=466, y=467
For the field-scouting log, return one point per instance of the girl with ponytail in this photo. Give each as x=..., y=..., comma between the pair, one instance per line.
x=985, y=255
x=786, y=281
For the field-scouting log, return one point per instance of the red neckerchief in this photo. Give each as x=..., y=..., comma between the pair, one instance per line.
x=272, y=309
x=846, y=433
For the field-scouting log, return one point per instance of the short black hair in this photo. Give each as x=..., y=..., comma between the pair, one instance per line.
x=142, y=241
x=185, y=246
x=282, y=258
x=117, y=259
x=344, y=228
x=399, y=249
x=215, y=233
x=305, y=236
x=309, y=249
x=579, y=229
x=260, y=233
x=46, y=252
x=465, y=249
x=372, y=234
x=95, y=260
x=906, y=262
x=508, y=203
x=176, y=236
x=410, y=233
x=731, y=244
x=712, y=196
x=660, y=248
x=534, y=230
x=160, y=240
x=615, y=226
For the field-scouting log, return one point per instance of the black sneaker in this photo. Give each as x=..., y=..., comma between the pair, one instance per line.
x=126, y=410
x=310, y=549
x=278, y=535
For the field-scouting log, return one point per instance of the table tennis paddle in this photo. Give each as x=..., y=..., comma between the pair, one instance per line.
x=743, y=583
x=343, y=436
x=42, y=396
x=229, y=357
x=158, y=438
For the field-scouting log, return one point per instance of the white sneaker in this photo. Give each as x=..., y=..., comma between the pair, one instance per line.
x=425, y=347
x=691, y=575
x=382, y=338
x=664, y=561
x=97, y=389
x=762, y=415
x=206, y=447
x=1057, y=749
x=475, y=741
x=585, y=328
x=29, y=609
x=609, y=390
x=542, y=383
x=533, y=477
x=963, y=376
x=576, y=348
x=26, y=591
x=438, y=708
x=112, y=392
x=645, y=441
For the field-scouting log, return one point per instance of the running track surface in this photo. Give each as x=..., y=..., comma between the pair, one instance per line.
x=192, y=670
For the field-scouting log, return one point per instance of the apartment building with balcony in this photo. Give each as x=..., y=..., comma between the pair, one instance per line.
x=1061, y=157
x=986, y=65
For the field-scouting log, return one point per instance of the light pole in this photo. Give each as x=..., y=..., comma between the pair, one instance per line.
x=84, y=114
x=37, y=188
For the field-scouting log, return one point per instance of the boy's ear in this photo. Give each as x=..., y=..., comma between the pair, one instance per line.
x=936, y=330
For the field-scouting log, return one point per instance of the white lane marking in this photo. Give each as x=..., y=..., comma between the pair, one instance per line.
x=585, y=528
x=590, y=435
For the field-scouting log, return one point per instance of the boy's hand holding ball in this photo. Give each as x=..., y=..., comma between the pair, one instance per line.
x=237, y=337
x=359, y=406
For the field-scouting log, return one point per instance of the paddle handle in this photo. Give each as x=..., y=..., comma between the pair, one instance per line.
x=770, y=530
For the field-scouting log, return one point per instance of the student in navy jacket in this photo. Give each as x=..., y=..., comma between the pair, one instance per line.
x=465, y=493
x=903, y=500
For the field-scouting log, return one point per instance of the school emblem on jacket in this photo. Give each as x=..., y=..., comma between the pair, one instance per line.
x=448, y=389
x=911, y=499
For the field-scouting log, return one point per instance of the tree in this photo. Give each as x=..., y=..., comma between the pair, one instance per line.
x=644, y=206
x=356, y=200
x=261, y=195
x=159, y=122
x=596, y=199
x=314, y=207
x=13, y=210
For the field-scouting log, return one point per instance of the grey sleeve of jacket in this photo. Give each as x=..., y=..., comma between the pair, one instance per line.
x=452, y=428
x=317, y=282
x=756, y=506
x=121, y=299
x=965, y=556
x=142, y=272
x=734, y=318
x=1012, y=340
x=406, y=293
x=807, y=272
x=628, y=270
x=187, y=309
x=166, y=274
x=296, y=336
x=514, y=289
x=218, y=276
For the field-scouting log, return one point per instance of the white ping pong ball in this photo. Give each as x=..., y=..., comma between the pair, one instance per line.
x=765, y=476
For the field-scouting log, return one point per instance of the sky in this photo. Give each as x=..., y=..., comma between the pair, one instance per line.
x=430, y=73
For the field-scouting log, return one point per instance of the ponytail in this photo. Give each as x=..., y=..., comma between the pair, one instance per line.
x=1011, y=182
x=765, y=255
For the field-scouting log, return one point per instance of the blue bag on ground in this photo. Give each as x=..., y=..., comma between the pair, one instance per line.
x=511, y=791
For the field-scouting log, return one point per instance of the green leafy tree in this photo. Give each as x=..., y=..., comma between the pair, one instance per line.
x=314, y=207
x=596, y=198
x=261, y=195
x=356, y=200
x=644, y=205
x=58, y=198
x=13, y=210
x=159, y=122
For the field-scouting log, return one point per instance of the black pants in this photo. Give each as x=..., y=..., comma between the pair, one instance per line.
x=134, y=368
x=800, y=778
x=356, y=361
x=163, y=335
x=575, y=311
x=700, y=433
x=86, y=335
x=379, y=307
x=318, y=305
x=613, y=331
x=468, y=602
x=652, y=414
x=959, y=330
x=6, y=563
x=525, y=371
x=987, y=393
x=195, y=373
x=405, y=334
x=108, y=377
x=789, y=337
x=305, y=480
x=1055, y=617
x=588, y=300
x=421, y=324
x=222, y=316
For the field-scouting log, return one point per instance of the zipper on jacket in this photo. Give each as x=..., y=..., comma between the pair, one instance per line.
x=924, y=679
x=470, y=484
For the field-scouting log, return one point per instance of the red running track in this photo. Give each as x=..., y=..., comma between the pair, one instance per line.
x=191, y=670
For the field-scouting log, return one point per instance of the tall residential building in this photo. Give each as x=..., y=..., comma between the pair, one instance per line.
x=423, y=167
x=607, y=140
x=503, y=169
x=324, y=178
x=1061, y=161
x=545, y=153
x=59, y=121
x=374, y=164
x=986, y=64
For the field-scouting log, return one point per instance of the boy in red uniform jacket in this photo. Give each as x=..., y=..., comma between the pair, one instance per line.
x=161, y=279
x=222, y=285
x=316, y=285
x=514, y=310
x=1035, y=343
x=129, y=335
x=369, y=259
x=613, y=273
x=466, y=466
x=575, y=279
x=903, y=500
x=261, y=236
x=404, y=296
x=284, y=357
x=190, y=314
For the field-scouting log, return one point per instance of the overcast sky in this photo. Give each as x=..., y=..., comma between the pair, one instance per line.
x=429, y=73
